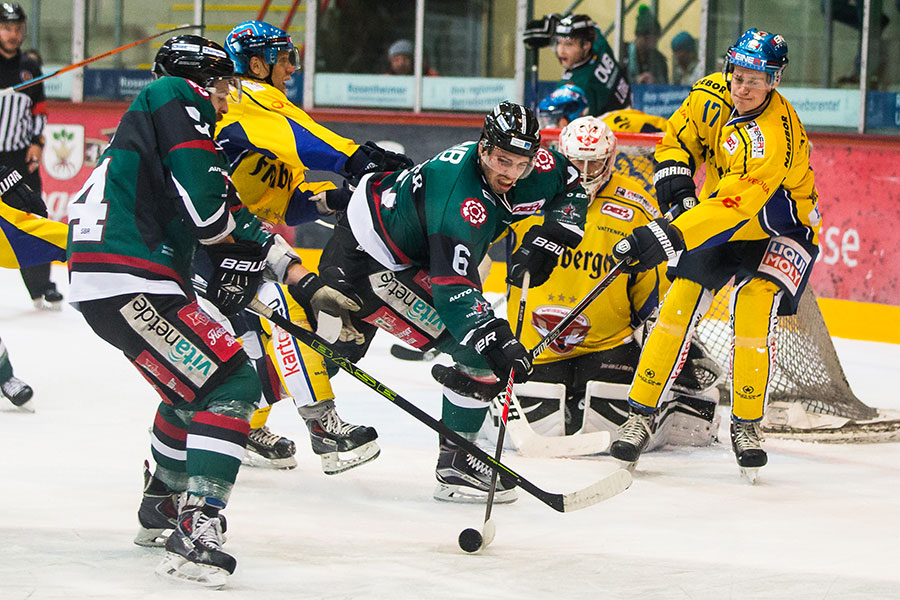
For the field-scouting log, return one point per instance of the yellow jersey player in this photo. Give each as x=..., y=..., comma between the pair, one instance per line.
x=757, y=220
x=270, y=144
x=580, y=383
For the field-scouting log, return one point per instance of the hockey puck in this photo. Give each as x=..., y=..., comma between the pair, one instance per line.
x=470, y=540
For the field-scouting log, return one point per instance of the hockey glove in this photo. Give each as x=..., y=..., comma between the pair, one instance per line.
x=494, y=340
x=314, y=295
x=371, y=158
x=332, y=201
x=539, y=253
x=539, y=33
x=648, y=246
x=237, y=273
x=675, y=188
x=15, y=192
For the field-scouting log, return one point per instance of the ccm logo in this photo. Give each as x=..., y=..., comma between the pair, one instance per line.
x=617, y=211
x=249, y=266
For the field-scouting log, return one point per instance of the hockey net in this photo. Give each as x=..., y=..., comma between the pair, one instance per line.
x=809, y=397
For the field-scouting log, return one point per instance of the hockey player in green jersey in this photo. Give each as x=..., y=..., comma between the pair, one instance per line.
x=160, y=190
x=412, y=241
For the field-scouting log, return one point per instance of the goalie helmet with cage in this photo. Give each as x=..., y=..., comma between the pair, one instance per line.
x=759, y=51
x=591, y=146
x=198, y=59
x=513, y=128
x=565, y=102
x=257, y=38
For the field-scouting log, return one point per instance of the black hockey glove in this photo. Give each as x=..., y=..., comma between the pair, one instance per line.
x=371, y=158
x=494, y=340
x=15, y=192
x=332, y=201
x=332, y=294
x=539, y=253
x=675, y=187
x=237, y=273
x=648, y=246
x=539, y=33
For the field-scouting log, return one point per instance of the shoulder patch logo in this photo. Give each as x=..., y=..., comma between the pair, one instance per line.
x=529, y=208
x=731, y=144
x=617, y=210
x=637, y=199
x=473, y=212
x=543, y=160
x=757, y=140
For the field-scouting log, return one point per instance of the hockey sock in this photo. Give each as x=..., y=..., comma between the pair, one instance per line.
x=753, y=307
x=215, y=446
x=667, y=346
x=167, y=445
x=6, y=370
x=462, y=414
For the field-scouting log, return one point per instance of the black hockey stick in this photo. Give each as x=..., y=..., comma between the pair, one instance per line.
x=606, y=488
x=404, y=353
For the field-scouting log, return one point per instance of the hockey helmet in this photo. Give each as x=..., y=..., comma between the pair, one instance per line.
x=578, y=27
x=257, y=38
x=11, y=12
x=196, y=58
x=565, y=102
x=759, y=51
x=513, y=128
x=591, y=146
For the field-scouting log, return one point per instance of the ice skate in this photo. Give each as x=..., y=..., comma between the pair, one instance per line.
x=51, y=299
x=269, y=450
x=634, y=435
x=746, y=438
x=158, y=513
x=330, y=436
x=194, y=549
x=463, y=478
x=18, y=392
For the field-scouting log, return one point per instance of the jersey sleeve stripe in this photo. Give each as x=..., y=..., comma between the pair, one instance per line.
x=195, y=144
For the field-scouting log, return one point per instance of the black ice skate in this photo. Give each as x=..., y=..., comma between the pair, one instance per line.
x=463, y=478
x=194, y=549
x=330, y=436
x=18, y=392
x=51, y=299
x=634, y=435
x=269, y=450
x=745, y=441
x=158, y=512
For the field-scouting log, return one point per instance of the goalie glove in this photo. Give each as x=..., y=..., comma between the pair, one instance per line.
x=675, y=187
x=539, y=33
x=372, y=158
x=237, y=272
x=648, y=246
x=539, y=253
x=494, y=340
x=336, y=298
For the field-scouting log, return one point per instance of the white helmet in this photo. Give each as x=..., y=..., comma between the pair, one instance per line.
x=590, y=139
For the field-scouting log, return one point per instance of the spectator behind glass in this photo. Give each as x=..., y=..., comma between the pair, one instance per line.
x=686, y=69
x=646, y=64
x=400, y=60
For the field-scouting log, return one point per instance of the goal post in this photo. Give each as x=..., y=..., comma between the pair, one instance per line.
x=810, y=397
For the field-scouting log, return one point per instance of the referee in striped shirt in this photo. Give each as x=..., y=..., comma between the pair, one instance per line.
x=22, y=118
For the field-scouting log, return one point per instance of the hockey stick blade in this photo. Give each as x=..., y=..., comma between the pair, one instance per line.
x=404, y=353
x=533, y=445
x=612, y=485
x=592, y=494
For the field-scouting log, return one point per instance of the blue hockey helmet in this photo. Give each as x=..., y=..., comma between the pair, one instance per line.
x=256, y=38
x=759, y=51
x=565, y=102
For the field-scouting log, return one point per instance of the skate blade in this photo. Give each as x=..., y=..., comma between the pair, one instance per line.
x=628, y=465
x=464, y=495
x=750, y=474
x=41, y=304
x=258, y=461
x=178, y=568
x=27, y=406
x=332, y=463
x=152, y=538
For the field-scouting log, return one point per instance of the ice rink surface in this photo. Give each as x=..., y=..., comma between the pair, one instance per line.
x=822, y=522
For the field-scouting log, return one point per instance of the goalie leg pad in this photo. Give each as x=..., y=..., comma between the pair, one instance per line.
x=543, y=404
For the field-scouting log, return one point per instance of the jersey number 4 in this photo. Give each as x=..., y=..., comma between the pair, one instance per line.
x=87, y=214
